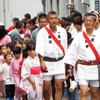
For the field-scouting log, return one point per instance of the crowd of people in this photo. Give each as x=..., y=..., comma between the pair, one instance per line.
x=51, y=58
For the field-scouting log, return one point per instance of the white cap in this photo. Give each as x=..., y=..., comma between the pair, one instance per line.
x=1, y=23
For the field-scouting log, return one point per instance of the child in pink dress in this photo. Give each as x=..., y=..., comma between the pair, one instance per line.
x=14, y=70
x=2, y=87
x=32, y=81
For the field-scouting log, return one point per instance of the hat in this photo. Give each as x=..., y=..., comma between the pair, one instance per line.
x=1, y=24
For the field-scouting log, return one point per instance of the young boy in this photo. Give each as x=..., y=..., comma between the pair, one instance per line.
x=8, y=80
x=9, y=47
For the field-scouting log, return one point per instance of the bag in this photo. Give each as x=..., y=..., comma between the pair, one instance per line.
x=35, y=70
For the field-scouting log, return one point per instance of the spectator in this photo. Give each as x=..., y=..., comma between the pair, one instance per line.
x=4, y=38
x=14, y=20
x=42, y=21
x=15, y=34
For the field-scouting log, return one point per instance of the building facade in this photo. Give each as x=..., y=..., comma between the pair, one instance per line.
x=63, y=7
x=17, y=8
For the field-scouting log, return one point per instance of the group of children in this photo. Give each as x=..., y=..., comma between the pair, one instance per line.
x=18, y=74
x=14, y=82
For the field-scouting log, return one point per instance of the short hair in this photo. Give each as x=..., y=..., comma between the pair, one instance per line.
x=42, y=15
x=73, y=11
x=90, y=14
x=16, y=50
x=24, y=53
x=7, y=54
x=70, y=41
x=3, y=32
x=27, y=15
x=19, y=41
x=27, y=35
x=51, y=13
x=78, y=21
x=95, y=12
x=19, y=24
x=30, y=45
x=10, y=45
x=15, y=19
x=69, y=18
x=77, y=14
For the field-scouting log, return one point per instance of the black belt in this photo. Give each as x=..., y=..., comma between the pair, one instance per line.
x=52, y=59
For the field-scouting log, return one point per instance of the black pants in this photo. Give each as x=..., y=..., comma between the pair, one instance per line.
x=10, y=90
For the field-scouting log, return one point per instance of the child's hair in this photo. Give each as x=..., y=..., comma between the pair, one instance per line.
x=16, y=50
x=30, y=45
x=19, y=41
x=70, y=41
x=24, y=53
x=7, y=55
x=67, y=66
x=10, y=45
x=2, y=46
x=27, y=35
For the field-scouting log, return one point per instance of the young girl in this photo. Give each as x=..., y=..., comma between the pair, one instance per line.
x=31, y=75
x=69, y=93
x=14, y=70
x=18, y=43
x=2, y=87
x=8, y=80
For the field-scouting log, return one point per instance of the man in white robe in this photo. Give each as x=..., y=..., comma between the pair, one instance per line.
x=51, y=55
x=79, y=50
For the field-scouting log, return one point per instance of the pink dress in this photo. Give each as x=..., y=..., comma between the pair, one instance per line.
x=5, y=40
x=2, y=86
x=14, y=71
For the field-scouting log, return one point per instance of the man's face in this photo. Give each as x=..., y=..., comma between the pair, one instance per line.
x=53, y=20
x=43, y=22
x=89, y=22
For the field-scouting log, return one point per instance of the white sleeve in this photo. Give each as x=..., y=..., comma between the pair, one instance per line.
x=40, y=42
x=1, y=68
x=72, y=53
x=24, y=70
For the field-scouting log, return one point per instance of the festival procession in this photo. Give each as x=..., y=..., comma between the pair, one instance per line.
x=50, y=53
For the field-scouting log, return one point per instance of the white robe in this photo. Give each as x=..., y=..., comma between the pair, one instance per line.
x=52, y=50
x=78, y=50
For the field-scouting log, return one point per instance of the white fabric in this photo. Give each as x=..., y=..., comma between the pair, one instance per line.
x=52, y=50
x=58, y=76
x=6, y=77
x=78, y=50
x=74, y=33
x=93, y=83
x=26, y=85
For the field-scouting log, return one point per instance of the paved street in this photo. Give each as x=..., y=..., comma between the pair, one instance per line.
x=2, y=98
x=79, y=99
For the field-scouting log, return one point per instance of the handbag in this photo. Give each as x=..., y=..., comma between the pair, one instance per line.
x=35, y=70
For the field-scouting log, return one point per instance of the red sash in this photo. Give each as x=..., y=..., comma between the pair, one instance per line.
x=91, y=46
x=56, y=40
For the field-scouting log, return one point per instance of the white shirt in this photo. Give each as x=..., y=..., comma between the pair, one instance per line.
x=46, y=47
x=79, y=49
x=74, y=33
x=6, y=77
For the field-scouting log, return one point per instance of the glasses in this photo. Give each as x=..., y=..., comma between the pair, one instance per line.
x=90, y=21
